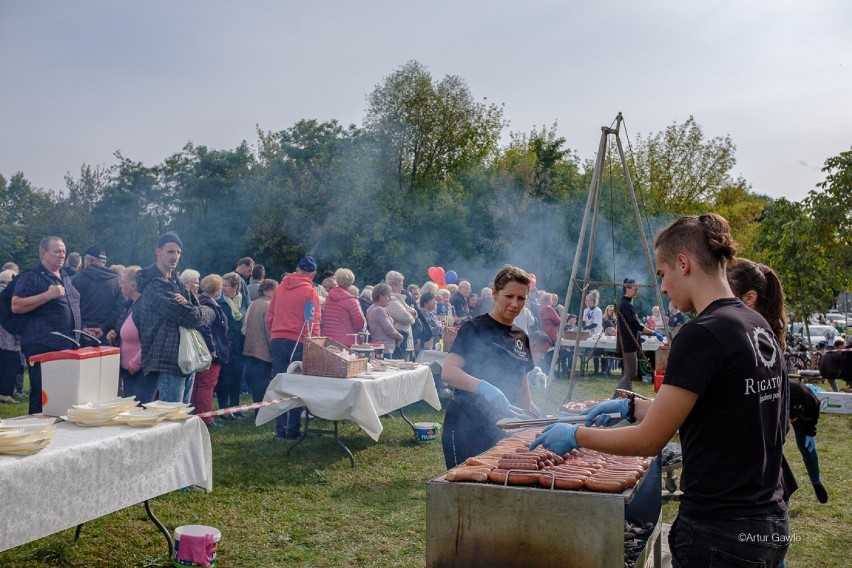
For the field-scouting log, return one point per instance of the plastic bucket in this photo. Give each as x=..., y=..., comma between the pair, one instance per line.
x=426, y=431
x=196, y=530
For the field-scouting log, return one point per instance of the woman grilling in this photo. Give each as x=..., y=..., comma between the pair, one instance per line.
x=725, y=389
x=487, y=365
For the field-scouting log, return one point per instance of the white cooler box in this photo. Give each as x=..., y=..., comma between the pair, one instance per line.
x=77, y=376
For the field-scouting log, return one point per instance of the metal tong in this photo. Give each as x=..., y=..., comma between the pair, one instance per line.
x=520, y=422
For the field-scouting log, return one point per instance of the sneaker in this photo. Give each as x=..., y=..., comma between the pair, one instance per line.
x=7, y=398
x=821, y=493
x=213, y=424
x=446, y=392
x=20, y=395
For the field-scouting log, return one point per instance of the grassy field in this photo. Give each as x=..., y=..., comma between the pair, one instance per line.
x=313, y=509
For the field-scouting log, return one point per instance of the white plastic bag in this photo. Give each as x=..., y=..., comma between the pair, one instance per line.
x=193, y=355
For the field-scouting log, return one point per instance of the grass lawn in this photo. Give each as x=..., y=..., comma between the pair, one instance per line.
x=313, y=509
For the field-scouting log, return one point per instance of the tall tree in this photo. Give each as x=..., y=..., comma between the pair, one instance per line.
x=129, y=215
x=787, y=240
x=683, y=171
x=429, y=131
x=28, y=215
x=77, y=204
x=212, y=203
x=831, y=207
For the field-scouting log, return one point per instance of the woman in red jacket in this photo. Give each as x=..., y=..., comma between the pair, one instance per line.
x=342, y=318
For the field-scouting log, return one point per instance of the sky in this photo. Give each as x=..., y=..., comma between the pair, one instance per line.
x=82, y=79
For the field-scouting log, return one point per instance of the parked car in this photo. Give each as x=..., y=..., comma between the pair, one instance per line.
x=839, y=321
x=818, y=333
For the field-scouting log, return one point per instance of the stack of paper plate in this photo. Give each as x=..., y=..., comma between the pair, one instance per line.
x=173, y=410
x=140, y=417
x=26, y=436
x=99, y=413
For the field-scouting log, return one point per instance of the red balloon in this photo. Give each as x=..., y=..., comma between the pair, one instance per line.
x=532, y=281
x=436, y=273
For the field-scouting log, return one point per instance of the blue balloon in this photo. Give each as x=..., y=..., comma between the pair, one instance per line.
x=451, y=277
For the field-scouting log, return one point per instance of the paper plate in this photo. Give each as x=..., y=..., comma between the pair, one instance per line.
x=118, y=401
x=170, y=406
x=25, y=449
x=18, y=422
x=24, y=439
x=7, y=432
x=88, y=421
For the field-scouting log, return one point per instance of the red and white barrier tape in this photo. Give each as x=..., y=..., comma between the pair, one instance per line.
x=243, y=407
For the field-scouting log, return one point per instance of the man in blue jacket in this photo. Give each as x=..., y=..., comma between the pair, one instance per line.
x=51, y=304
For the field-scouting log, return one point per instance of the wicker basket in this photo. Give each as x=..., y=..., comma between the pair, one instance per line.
x=573, y=335
x=319, y=361
x=449, y=336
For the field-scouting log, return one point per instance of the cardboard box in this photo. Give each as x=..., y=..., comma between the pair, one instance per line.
x=835, y=402
x=77, y=376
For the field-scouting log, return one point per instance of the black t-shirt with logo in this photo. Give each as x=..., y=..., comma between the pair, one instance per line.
x=493, y=352
x=732, y=439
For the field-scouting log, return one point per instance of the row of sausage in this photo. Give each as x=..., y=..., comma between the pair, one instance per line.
x=510, y=462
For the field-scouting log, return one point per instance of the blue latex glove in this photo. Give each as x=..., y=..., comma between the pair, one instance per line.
x=810, y=443
x=494, y=397
x=597, y=414
x=659, y=336
x=559, y=438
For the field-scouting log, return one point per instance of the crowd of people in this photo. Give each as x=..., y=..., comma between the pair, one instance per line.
x=725, y=377
x=253, y=326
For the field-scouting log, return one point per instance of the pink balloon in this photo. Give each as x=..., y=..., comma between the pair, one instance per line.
x=532, y=281
x=436, y=273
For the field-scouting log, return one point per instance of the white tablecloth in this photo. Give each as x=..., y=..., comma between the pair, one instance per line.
x=610, y=343
x=86, y=473
x=360, y=400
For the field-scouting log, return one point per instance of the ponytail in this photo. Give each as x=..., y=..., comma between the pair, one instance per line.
x=745, y=275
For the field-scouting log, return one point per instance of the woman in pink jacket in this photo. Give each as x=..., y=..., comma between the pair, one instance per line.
x=342, y=318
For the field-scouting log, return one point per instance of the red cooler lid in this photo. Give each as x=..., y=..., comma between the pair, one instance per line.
x=108, y=350
x=67, y=354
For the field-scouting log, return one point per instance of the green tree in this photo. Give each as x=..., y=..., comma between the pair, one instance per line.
x=428, y=131
x=77, y=204
x=211, y=203
x=28, y=215
x=683, y=172
x=831, y=208
x=788, y=241
x=743, y=210
x=128, y=216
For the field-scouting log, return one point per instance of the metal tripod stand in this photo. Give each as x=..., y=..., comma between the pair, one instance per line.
x=589, y=224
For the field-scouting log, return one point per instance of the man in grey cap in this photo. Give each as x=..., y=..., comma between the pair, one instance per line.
x=164, y=307
x=100, y=295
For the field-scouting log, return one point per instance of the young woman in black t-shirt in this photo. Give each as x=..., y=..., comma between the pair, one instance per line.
x=487, y=365
x=760, y=289
x=725, y=391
